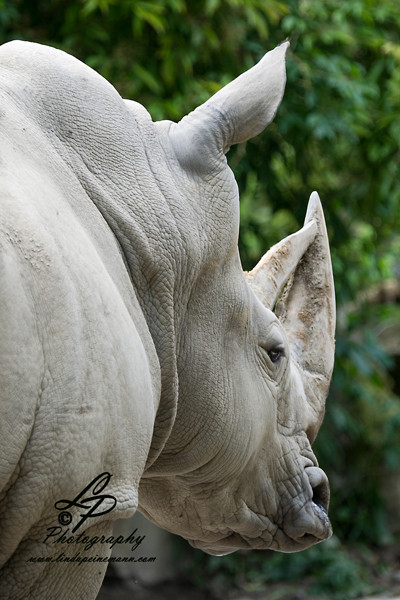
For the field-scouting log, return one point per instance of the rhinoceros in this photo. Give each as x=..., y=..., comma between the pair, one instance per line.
x=140, y=367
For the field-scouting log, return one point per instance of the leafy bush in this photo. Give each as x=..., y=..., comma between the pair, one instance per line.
x=326, y=571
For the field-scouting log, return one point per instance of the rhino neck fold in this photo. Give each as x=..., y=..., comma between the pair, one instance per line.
x=153, y=252
x=153, y=279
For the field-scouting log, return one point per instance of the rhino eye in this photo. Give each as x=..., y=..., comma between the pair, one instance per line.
x=276, y=354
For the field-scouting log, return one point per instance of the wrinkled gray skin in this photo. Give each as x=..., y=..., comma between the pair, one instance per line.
x=131, y=339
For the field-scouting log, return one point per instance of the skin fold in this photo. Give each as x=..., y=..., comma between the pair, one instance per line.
x=132, y=343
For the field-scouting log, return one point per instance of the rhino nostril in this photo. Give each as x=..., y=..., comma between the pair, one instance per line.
x=321, y=497
x=320, y=487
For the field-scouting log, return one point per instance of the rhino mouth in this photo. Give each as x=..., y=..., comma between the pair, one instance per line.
x=302, y=525
x=310, y=526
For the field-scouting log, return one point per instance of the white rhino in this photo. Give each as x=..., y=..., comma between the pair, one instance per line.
x=140, y=367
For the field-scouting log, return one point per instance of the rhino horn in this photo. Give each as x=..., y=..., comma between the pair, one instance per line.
x=238, y=111
x=307, y=305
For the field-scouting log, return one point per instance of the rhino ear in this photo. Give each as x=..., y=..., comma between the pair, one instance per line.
x=238, y=112
x=272, y=272
x=307, y=306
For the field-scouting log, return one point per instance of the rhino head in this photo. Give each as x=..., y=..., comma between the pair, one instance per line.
x=254, y=351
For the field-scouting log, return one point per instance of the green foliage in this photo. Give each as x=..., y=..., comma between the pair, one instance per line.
x=170, y=55
x=337, y=131
x=327, y=571
x=360, y=437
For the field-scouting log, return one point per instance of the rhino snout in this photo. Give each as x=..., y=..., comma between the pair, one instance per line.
x=310, y=524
